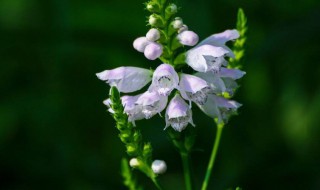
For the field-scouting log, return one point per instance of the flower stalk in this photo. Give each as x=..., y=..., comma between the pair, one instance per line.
x=132, y=138
x=214, y=151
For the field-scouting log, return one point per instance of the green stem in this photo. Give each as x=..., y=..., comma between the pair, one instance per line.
x=155, y=181
x=186, y=169
x=213, y=156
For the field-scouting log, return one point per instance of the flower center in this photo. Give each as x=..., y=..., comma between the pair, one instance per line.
x=165, y=85
x=201, y=96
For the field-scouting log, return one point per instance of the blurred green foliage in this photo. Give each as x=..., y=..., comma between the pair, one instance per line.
x=55, y=132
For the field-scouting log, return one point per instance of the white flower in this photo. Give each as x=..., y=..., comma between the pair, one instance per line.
x=159, y=166
x=151, y=103
x=126, y=79
x=153, y=51
x=178, y=114
x=188, y=38
x=164, y=79
x=224, y=81
x=153, y=35
x=133, y=110
x=219, y=108
x=193, y=88
x=209, y=54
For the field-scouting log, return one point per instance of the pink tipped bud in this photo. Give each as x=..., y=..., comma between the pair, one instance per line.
x=153, y=51
x=188, y=38
x=140, y=44
x=153, y=35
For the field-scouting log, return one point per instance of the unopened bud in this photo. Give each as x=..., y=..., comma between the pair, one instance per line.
x=171, y=9
x=140, y=44
x=153, y=51
x=134, y=162
x=131, y=149
x=159, y=166
x=183, y=28
x=188, y=38
x=177, y=24
x=153, y=7
x=153, y=35
x=155, y=20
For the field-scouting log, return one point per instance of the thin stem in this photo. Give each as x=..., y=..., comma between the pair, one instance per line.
x=186, y=169
x=154, y=180
x=213, y=156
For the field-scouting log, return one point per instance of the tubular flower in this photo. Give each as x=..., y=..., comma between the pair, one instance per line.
x=219, y=108
x=151, y=103
x=164, y=79
x=224, y=81
x=193, y=88
x=133, y=111
x=209, y=54
x=126, y=79
x=178, y=114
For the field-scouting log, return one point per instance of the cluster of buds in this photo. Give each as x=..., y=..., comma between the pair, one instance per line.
x=148, y=45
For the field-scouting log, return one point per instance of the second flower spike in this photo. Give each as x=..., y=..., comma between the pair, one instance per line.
x=178, y=114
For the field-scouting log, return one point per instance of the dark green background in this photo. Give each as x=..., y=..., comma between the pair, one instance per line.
x=55, y=132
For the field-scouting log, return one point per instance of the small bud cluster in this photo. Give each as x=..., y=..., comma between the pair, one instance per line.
x=148, y=45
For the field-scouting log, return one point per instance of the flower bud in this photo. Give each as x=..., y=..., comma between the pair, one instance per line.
x=155, y=20
x=159, y=166
x=183, y=28
x=153, y=34
x=153, y=7
x=177, y=24
x=131, y=149
x=153, y=51
x=188, y=38
x=134, y=162
x=171, y=10
x=140, y=44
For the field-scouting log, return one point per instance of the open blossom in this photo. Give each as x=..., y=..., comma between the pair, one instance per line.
x=219, y=107
x=126, y=79
x=193, y=88
x=209, y=54
x=224, y=81
x=133, y=110
x=151, y=103
x=164, y=79
x=178, y=114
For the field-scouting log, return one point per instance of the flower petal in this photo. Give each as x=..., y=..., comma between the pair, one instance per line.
x=126, y=79
x=164, y=79
x=231, y=73
x=195, y=57
x=221, y=38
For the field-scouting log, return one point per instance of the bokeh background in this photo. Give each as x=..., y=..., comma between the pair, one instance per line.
x=55, y=132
